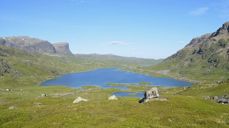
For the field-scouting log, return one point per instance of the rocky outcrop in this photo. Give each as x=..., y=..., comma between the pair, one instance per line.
x=4, y=67
x=219, y=99
x=62, y=48
x=208, y=53
x=222, y=31
x=197, y=40
x=28, y=44
x=34, y=45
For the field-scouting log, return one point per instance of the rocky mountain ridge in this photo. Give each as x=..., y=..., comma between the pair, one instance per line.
x=32, y=45
x=207, y=55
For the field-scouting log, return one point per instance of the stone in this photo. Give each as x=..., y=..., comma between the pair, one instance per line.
x=44, y=95
x=113, y=97
x=207, y=97
x=215, y=98
x=223, y=100
x=79, y=99
x=11, y=107
x=150, y=94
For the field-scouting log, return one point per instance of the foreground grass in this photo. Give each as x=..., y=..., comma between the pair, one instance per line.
x=57, y=109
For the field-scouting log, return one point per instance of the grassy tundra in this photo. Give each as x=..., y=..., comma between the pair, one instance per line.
x=22, y=105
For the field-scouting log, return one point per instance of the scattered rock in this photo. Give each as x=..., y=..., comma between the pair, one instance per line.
x=44, y=95
x=223, y=100
x=113, y=97
x=11, y=107
x=207, y=97
x=8, y=89
x=219, y=99
x=215, y=98
x=79, y=99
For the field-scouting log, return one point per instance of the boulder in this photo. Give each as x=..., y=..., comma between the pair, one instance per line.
x=150, y=94
x=79, y=99
x=11, y=107
x=113, y=97
x=44, y=95
x=223, y=100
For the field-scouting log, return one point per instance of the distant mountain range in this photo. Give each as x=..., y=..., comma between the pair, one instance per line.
x=205, y=57
x=30, y=45
x=117, y=60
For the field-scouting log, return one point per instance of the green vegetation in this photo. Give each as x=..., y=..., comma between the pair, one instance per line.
x=22, y=103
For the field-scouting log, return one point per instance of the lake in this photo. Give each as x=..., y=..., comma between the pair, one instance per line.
x=105, y=76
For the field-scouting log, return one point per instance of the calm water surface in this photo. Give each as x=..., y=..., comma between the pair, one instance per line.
x=102, y=78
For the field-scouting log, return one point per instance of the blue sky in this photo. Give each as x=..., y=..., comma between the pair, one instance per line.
x=139, y=28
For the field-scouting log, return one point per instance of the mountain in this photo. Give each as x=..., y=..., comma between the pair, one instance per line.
x=204, y=58
x=114, y=60
x=34, y=45
x=28, y=44
x=62, y=48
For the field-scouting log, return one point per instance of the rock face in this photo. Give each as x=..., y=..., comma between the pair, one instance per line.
x=208, y=53
x=28, y=44
x=32, y=45
x=150, y=94
x=62, y=48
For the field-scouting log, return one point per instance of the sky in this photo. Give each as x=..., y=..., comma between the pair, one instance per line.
x=134, y=28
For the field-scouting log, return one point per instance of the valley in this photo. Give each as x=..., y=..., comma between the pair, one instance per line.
x=24, y=103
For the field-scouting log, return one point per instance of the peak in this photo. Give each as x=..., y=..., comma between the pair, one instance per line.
x=225, y=26
x=223, y=30
x=62, y=48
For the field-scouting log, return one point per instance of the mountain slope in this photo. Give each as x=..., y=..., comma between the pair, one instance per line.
x=204, y=58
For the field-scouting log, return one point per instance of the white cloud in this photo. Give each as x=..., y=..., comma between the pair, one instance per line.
x=118, y=43
x=199, y=11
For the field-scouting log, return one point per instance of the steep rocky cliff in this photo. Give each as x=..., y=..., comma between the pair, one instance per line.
x=34, y=45
x=62, y=48
x=28, y=44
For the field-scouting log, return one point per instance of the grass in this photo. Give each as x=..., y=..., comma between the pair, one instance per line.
x=23, y=106
x=57, y=109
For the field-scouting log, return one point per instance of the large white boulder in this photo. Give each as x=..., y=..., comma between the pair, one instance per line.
x=79, y=99
x=113, y=97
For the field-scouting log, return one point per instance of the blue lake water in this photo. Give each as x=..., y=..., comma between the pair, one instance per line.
x=102, y=78
x=129, y=94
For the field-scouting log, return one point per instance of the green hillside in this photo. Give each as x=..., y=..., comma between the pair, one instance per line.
x=22, y=103
x=205, y=58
